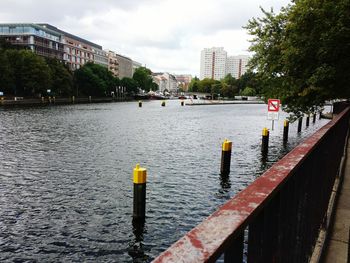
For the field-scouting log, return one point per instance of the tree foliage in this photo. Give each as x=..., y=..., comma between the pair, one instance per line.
x=61, y=77
x=301, y=55
x=143, y=76
x=227, y=87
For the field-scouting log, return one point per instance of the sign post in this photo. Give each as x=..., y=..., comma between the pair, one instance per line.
x=273, y=107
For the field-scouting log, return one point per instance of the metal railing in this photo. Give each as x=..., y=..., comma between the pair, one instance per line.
x=278, y=217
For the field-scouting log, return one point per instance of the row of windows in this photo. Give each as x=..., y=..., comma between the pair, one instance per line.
x=27, y=30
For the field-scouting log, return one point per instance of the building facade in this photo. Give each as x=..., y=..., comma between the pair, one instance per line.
x=183, y=81
x=237, y=65
x=49, y=41
x=42, y=41
x=78, y=51
x=113, y=65
x=213, y=63
x=124, y=66
x=135, y=65
x=166, y=82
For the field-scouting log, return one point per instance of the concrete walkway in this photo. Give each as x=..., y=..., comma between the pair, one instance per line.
x=337, y=250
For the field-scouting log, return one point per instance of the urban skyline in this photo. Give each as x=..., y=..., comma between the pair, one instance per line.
x=164, y=35
x=216, y=64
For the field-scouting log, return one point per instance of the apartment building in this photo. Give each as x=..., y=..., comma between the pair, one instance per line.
x=49, y=41
x=78, y=51
x=165, y=81
x=237, y=65
x=113, y=65
x=213, y=63
x=41, y=40
x=183, y=81
x=124, y=66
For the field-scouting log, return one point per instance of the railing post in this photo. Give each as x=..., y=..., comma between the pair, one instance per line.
x=234, y=253
x=300, y=123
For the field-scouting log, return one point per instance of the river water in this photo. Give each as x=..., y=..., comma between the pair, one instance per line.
x=66, y=175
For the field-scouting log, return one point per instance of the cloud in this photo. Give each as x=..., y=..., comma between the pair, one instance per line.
x=166, y=35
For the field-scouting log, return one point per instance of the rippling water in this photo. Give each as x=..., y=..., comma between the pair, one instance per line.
x=66, y=175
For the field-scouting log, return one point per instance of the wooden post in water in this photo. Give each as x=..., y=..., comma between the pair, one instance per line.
x=226, y=157
x=285, y=131
x=300, y=123
x=163, y=103
x=182, y=103
x=314, y=117
x=140, y=103
x=265, y=141
x=139, y=178
x=308, y=120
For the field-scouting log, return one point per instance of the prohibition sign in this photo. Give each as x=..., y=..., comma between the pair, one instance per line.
x=273, y=105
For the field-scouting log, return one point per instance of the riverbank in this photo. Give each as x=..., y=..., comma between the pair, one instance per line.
x=222, y=102
x=20, y=101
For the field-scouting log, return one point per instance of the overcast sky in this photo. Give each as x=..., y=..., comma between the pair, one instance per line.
x=164, y=35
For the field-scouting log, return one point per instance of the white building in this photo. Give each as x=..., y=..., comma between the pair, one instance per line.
x=237, y=65
x=165, y=81
x=213, y=63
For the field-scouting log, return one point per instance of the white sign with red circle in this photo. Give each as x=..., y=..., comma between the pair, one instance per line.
x=273, y=107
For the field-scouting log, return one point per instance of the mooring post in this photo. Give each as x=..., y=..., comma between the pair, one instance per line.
x=140, y=103
x=308, y=120
x=73, y=99
x=314, y=117
x=285, y=130
x=265, y=140
x=300, y=123
x=90, y=99
x=182, y=103
x=320, y=115
x=140, y=176
x=226, y=157
x=163, y=103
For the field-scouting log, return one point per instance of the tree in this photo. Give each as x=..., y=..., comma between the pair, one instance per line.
x=302, y=53
x=94, y=80
x=130, y=84
x=7, y=77
x=62, y=78
x=248, y=92
x=31, y=73
x=229, y=86
x=143, y=76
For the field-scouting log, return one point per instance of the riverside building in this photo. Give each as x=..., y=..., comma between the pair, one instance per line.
x=215, y=64
x=237, y=65
x=49, y=41
x=41, y=40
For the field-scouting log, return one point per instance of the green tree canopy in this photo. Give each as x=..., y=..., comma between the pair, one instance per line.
x=31, y=75
x=94, y=80
x=302, y=53
x=130, y=84
x=143, y=76
x=62, y=78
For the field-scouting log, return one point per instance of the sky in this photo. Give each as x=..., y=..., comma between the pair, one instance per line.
x=163, y=35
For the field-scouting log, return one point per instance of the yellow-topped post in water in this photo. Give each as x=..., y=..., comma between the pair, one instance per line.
x=285, y=131
x=140, y=103
x=139, y=178
x=265, y=140
x=226, y=157
x=163, y=103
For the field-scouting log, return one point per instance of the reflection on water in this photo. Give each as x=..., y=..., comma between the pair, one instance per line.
x=66, y=175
